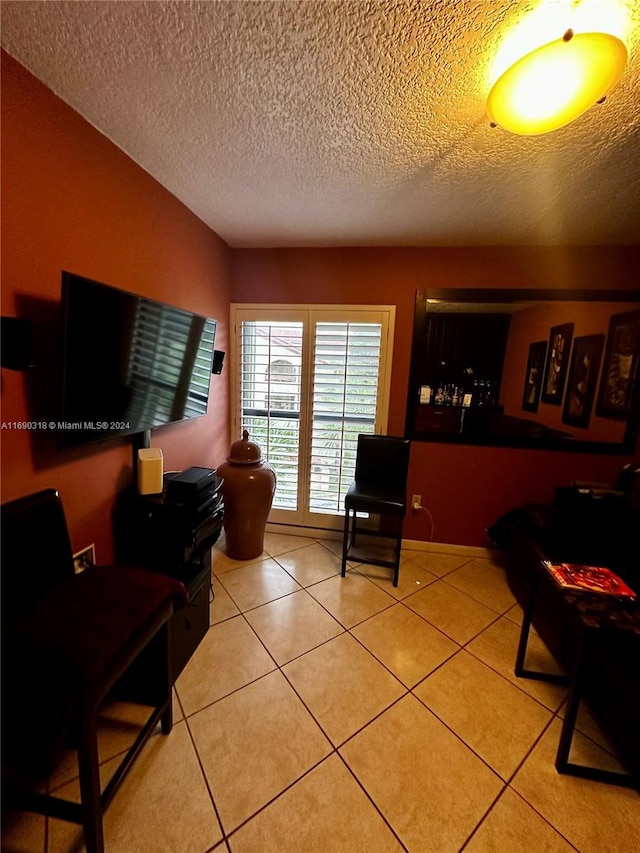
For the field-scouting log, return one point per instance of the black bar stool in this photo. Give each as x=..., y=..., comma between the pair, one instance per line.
x=66, y=641
x=380, y=488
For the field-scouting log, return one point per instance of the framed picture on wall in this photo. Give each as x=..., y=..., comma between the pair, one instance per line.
x=620, y=366
x=555, y=373
x=583, y=377
x=533, y=376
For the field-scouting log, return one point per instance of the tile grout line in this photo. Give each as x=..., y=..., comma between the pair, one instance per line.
x=334, y=749
x=206, y=782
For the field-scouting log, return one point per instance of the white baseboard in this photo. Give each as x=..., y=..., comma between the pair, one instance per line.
x=407, y=544
x=444, y=548
x=311, y=532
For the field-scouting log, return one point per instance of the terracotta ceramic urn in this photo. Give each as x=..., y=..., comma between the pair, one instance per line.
x=248, y=489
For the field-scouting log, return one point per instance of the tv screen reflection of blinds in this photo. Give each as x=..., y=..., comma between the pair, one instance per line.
x=130, y=363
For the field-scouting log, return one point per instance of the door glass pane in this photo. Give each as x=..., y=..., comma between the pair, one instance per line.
x=345, y=394
x=270, y=393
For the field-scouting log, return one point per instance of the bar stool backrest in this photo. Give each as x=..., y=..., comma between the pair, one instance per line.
x=382, y=461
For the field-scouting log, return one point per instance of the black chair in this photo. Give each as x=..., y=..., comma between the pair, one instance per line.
x=380, y=488
x=67, y=639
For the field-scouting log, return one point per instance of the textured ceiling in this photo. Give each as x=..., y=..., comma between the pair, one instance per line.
x=338, y=123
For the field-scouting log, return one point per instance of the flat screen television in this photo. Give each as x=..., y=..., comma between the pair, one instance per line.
x=130, y=364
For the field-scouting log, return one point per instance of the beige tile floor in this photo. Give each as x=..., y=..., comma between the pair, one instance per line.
x=330, y=715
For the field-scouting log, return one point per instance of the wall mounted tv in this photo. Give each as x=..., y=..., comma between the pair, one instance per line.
x=130, y=364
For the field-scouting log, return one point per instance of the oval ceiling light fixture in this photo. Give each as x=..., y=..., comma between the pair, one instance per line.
x=554, y=84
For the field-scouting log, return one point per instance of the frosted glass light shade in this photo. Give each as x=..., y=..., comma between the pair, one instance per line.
x=554, y=84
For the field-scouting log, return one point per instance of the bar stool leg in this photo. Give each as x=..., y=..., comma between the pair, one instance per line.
x=396, y=567
x=166, y=720
x=90, y=791
x=345, y=541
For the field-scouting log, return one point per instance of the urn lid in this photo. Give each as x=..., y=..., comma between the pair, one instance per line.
x=244, y=452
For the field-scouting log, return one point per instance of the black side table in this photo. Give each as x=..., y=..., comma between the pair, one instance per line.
x=588, y=616
x=173, y=538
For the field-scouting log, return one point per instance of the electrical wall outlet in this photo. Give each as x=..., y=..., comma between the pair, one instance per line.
x=416, y=502
x=85, y=558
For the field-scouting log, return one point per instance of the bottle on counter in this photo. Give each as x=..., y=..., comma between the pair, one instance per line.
x=425, y=395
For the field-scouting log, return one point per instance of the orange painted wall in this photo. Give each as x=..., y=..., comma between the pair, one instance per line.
x=465, y=488
x=72, y=200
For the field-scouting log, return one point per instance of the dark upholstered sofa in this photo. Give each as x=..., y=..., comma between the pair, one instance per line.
x=596, y=525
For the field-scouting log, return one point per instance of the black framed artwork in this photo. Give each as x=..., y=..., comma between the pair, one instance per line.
x=533, y=376
x=620, y=366
x=555, y=373
x=583, y=377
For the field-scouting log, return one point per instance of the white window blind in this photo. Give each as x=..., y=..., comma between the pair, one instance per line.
x=270, y=397
x=345, y=395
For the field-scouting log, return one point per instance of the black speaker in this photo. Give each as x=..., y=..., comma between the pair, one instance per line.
x=16, y=343
x=218, y=359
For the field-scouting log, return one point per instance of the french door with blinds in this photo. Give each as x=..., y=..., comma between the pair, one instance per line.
x=306, y=381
